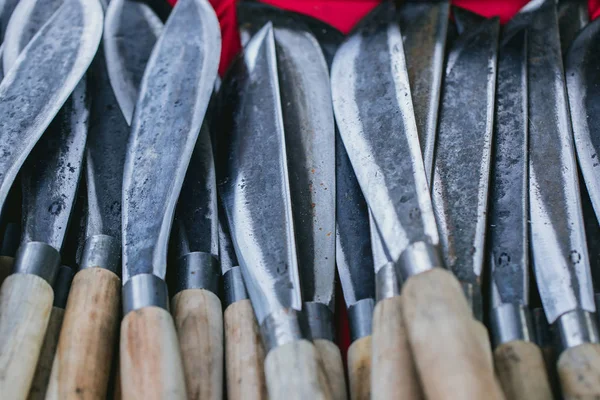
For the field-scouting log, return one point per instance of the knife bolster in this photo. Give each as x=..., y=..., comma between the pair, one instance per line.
x=197, y=270
x=234, y=287
x=101, y=251
x=319, y=320
x=360, y=318
x=576, y=327
x=418, y=257
x=281, y=327
x=37, y=258
x=510, y=322
x=387, y=282
x=144, y=290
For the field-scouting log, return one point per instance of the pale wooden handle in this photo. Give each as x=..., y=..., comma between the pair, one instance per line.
x=334, y=368
x=151, y=366
x=522, y=371
x=450, y=353
x=83, y=359
x=25, y=305
x=244, y=354
x=199, y=322
x=6, y=264
x=393, y=371
x=579, y=372
x=359, y=368
x=44, y=366
x=294, y=372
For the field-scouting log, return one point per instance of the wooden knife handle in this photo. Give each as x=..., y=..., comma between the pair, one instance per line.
x=25, y=305
x=522, y=371
x=44, y=366
x=81, y=368
x=6, y=264
x=359, y=368
x=334, y=367
x=579, y=372
x=244, y=354
x=150, y=365
x=452, y=356
x=294, y=372
x=393, y=375
x=199, y=322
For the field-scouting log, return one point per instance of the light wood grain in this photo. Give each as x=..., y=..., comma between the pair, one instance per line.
x=359, y=368
x=522, y=371
x=81, y=368
x=199, y=322
x=293, y=372
x=244, y=354
x=44, y=366
x=25, y=305
x=579, y=372
x=151, y=366
x=447, y=344
x=334, y=367
x=393, y=371
x=6, y=265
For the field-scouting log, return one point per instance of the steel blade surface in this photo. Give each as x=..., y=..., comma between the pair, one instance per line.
x=373, y=109
x=424, y=26
x=508, y=245
x=43, y=76
x=465, y=20
x=174, y=94
x=227, y=257
x=131, y=30
x=6, y=9
x=573, y=15
x=254, y=178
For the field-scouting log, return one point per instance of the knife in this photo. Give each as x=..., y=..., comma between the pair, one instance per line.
x=560, y=256
x=197, y=309
x=174, y=94
x=255, y=191
x=424, y=27
x=573, y=15
x=6, y=9
x=508, y=242
x=373, y=108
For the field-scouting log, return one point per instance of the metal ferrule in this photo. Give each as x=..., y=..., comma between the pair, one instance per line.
x=360, y=317
x=101, y=251
x=387, y=282
x=37, y=258
x=234, y=287
x=62, y=285
x=281, y=327
x=474, y=298
x=511, y=322
x=145, y=290
x=197, y=270
x=319, y=320
x=576, y=327
x=418, y=257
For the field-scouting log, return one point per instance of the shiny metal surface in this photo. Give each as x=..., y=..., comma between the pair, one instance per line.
x=234, y=287
x=387, y=282
x=171, y=106
x=57, y=57
x=424, y=26
x=197, y=270
x=373, y=109
x=281, y=327
x=463, y=151
x=509, y=322
x=560, y=254
x=50, y=176
x=145, y=290
x=419, y=257
x=131, y=30
x=37, y=258
x=360, y=318
x=576, y=327
x=101, y=251
x=254, y=178
x=227, y=257
x=6, y=9
x=573, y=15
x=62, y=285
x=508, y=213
x=319, y=321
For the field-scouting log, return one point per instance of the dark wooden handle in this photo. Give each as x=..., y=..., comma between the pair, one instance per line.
x=579, y=372
x=199, y=322
x=359, y=368
x=334, y=367
x=84, y=355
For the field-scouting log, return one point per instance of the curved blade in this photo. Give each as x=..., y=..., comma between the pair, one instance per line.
x=51, y=174
x=6, y=9
x=509, y=201
x=463, y=152
x=131, y=30
x=28, y=17
x=373, y=109
x=424, y=26
x=42, y=78
x=560, y=254
x=174, y=95
x=573, y=15
x=254, y=180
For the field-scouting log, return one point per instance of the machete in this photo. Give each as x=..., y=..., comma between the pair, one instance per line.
x=373, y=108
x=573, y=15
x=170, y=108
x=255, y=191
x=558, y=242
x=508, y=241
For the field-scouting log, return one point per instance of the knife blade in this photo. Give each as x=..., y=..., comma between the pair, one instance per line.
x=174, y=94
x=573, y=15
x=373, y=108
x=6, y=9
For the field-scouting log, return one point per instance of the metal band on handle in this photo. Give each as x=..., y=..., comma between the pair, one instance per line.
x=101, y=251
x=319, y=320
x=37, y=258
x=234, y=287
x=387, y=282
x=360, y=317
x=197, y=270
x=576, y=327
x=418, y=257
x=145, y=290
x=281, y=327
x=510, y=322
